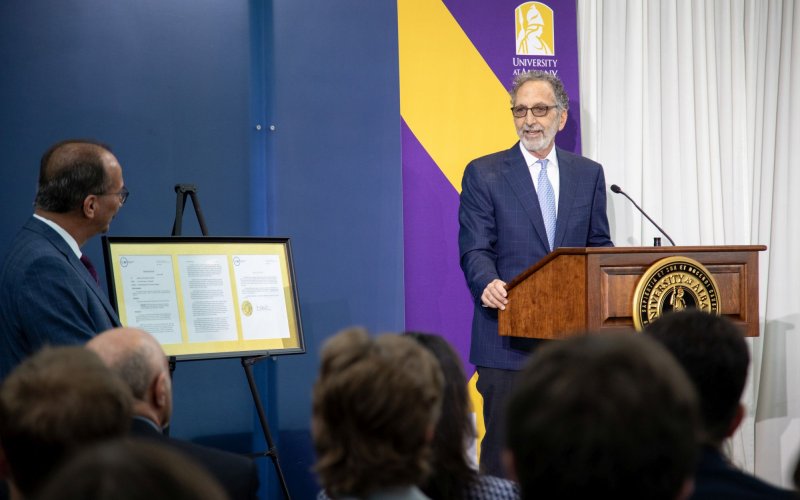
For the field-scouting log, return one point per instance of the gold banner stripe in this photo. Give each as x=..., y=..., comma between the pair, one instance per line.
x=449, y=97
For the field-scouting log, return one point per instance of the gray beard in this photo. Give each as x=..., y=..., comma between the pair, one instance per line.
x=548, y=134
x=535, y=144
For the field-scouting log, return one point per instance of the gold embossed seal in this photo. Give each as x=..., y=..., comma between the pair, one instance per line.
x=247, y=308
x=673, y=284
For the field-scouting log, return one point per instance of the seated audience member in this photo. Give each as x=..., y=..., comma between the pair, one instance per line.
x=131, y=470
x=714, y=354
x=53, y=404
x=603, y=416
x=375, y=406
x=453, y=477
x=138, y=359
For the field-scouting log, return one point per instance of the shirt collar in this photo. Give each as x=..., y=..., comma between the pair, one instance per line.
x=530, y=160
x=63, y=233
x=149, y=422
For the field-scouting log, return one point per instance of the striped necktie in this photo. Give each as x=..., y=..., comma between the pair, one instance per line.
x=547, y=203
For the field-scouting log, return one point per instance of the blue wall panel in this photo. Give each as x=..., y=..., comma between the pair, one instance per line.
x=177, y=88
x=336, y=184
x=167, y=85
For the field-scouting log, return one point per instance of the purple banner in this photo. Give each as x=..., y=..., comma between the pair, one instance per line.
x=493, y=29
x=437, y=299
x=512, y=37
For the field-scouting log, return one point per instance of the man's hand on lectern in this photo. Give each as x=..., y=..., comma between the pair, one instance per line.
x=494, y=295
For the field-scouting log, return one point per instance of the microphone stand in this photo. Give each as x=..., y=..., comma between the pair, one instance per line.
x=617, y=189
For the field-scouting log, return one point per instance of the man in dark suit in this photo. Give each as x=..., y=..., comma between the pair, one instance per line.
x=516, y=207
x=137, y=357
x=714, y=354
x=49, y=293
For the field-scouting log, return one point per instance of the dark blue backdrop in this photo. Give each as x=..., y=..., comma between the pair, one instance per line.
x=187, y=92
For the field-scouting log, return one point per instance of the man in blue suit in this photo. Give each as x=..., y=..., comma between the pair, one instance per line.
x=49, y=293
x=516, y=207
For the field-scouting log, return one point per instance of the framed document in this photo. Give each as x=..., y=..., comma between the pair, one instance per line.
x=207, y=297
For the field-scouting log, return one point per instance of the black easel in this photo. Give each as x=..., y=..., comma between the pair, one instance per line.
x=190, y=190
x=272, y=450
x=184, y=190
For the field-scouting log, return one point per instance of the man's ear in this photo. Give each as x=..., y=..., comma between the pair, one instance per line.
x=161, y=392
x=562, y=121
x=510, y=465
x=736, y=421
x=89, y=207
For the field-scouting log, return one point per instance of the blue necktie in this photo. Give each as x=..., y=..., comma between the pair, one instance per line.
x=547, y=203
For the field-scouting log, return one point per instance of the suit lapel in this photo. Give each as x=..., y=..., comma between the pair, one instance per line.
x=58, y=242
x=566, y=194
x=519, y=177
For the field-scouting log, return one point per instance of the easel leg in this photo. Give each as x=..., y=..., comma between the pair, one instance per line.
x=272, y=451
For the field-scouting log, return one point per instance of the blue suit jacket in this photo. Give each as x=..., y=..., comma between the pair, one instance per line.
x=47, y=296
x=502, y=233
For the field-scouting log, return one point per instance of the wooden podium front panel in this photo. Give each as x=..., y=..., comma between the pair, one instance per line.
x=615, y=308
x=577, y=289
x=551, y=303
x=617, y=280
x=730, y=283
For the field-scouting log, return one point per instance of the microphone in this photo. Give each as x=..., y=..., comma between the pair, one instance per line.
x=617, y=189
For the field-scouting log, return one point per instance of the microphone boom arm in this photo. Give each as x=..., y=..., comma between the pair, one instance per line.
x=616, y=189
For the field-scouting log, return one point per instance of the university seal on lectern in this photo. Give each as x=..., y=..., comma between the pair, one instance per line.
x=673, y=284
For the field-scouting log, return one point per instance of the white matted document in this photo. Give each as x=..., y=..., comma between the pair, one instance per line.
x=258, y=284
x=148, y=285
x=207, y=297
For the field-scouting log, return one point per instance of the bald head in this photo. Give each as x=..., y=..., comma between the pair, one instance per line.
x=134, y=355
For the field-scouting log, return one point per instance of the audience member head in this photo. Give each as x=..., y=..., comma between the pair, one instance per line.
x=375, y=405
x=80, y=187
x=131, y=470
x=53, y=404
x=451, y=469
x=603, y=415
x=138, y=359
x=714, y=354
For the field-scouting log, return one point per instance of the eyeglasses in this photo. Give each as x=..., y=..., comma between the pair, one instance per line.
x=122, y=193
x=539, y=110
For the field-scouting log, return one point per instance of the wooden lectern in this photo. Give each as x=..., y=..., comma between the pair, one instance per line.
x=573, y=290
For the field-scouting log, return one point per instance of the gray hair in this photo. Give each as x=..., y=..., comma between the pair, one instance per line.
x=137, y=368
x=562, y=100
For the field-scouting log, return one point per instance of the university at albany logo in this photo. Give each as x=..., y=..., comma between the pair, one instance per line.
x=674, y=284
x=534, y=23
